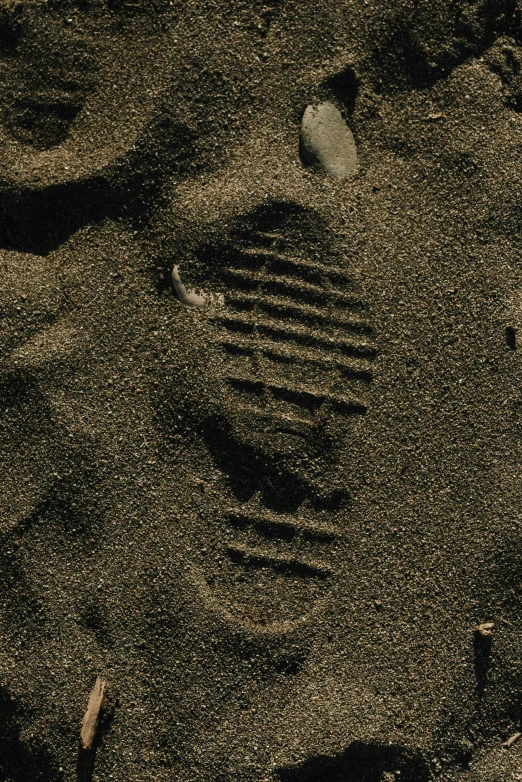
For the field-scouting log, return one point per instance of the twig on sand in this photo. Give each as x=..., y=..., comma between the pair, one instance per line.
x=509, y=743
x=91, y=718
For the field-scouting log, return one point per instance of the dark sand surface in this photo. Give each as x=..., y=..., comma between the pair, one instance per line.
x=269, y=603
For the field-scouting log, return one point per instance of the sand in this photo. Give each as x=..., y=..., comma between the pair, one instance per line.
x=272, y=523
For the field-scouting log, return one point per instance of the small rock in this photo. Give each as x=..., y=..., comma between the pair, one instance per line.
x=485, y=630
x=327, y=139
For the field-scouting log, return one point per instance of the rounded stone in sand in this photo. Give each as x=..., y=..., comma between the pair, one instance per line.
x=327, y=139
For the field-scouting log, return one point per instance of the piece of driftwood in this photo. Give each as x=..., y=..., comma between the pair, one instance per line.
x=91, y=718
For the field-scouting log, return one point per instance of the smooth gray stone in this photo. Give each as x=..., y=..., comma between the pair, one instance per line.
x=327, y=139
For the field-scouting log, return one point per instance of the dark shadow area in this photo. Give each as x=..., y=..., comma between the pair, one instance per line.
x=497, y=599
x=23, y=609
x=360, y=763
x=38, y=221
x=18, y=761
x=92, y=616
x=269, y=653
x=505, y=60
x=289, y=566
x=345, y=87
x=482, y=655
x=10, y=32
x=276, y=225
x=423, y=43
x=16, y=388
x=332, y=500
x=297, y=223
x=266, y=10
x=43, y=124
x=249, y=471
x=138, y=7
x=85, y=764
x=511, y=337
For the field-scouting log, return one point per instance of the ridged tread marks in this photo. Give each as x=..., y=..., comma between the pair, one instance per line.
x=272, y=528
x=283, y=312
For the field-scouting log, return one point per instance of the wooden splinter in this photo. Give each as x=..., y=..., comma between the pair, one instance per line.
x=514, y=738
x=91, y=718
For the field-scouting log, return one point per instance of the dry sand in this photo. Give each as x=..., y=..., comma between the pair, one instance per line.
x=273, y=525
